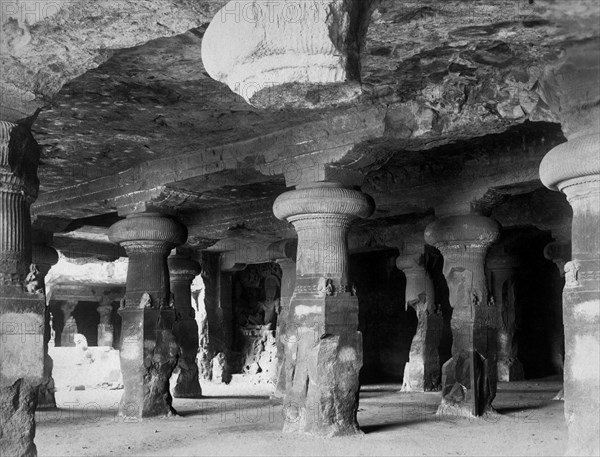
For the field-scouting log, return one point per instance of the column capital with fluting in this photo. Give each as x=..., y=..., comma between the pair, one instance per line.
x=145, y=231
x=458, y=231
x=322, y=199
x=572, y=163
x=182, y=268
x=19, y=157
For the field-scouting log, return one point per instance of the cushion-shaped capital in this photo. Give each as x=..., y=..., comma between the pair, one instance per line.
x=323, y=200
x=577, y=158
x=276, y=53
x=470, y=229
x=148, y=227
x=182, y=266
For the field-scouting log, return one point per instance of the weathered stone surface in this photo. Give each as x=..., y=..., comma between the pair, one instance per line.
x=182, y=272
x=218, y=332
x=502, y=270
x=285, y=54
x=323, y=348
x=422, y=372
x=469, y=377
x=149, y=351
x=18, y=401
x=22, y=294
x=571, y=89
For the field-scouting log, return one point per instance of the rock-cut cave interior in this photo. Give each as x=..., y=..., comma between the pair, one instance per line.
x=299, y=227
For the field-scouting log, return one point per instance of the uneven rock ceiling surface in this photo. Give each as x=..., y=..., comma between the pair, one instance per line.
x=128, y=112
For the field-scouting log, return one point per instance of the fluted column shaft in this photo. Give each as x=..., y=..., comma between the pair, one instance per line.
x=469, y=377
x=149, y=351
x=422, y=371
x=182, y=272
x=323, y=347
x=574, y=169
x=22, y=295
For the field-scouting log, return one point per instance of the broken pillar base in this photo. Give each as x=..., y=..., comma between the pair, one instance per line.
x=187, y=383
x=21, y=366
x=46, y=397
x=186, y=333
x=17, y=416
x=466, y=385
x=510, y=370
x=220, y=369
x=149, y=355
x=452, y=412
x=323, y=385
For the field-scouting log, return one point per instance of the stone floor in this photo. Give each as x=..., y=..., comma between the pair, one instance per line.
x=237, y=420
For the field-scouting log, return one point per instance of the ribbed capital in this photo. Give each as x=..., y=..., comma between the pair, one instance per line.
x=577, y=158
x=462, y=230
x=182, y=267
x=323, y=199
x=148, y=227
x=19, y=158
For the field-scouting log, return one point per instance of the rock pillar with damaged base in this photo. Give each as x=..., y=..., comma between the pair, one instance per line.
x=288, y=281
x=502, y=269
x=469, y=377
x=43, y=257
x=22, y=296
x=182, y=272
x=323, y=346
x=422, y=372
x=149, y=351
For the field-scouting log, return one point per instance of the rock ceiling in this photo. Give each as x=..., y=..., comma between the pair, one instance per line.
x=127, y=108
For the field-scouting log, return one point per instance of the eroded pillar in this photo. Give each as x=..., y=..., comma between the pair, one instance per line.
x=182, y=272
x=105, y=327
x=44, y=257
x=149, y=351
x=22, y=296
x=288, y=281
x=67, y=336
x=469, y=377
x=323, y=345
x=502, y=270
x=574, y=169
x=422, y=372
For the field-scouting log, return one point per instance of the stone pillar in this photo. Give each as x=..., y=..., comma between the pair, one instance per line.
x=288, y=281
x=182, y=272
x=469, y=377
x=573, y=168
x=70, y=328
x=502, y=270
x=323, y=347
x=213, y=359
x=149, y=351
x=44, y=257
x=422, y=372
x=105, y=327
x=22, y=296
